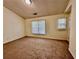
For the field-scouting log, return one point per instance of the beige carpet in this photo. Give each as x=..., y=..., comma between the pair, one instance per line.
x=35, y=48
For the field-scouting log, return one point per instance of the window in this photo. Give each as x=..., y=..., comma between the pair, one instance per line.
x=62, y=23
x=35, y=27
x=38, y=27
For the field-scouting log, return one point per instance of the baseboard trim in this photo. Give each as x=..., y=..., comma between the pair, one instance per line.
x=71, y=55
x=13, y=40
x=48, y=38
x=37, y=37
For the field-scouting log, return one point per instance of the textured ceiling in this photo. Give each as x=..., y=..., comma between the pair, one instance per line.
x=41, y=7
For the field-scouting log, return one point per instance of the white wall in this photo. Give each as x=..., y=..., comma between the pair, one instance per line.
x=13, y=26
x=51, y=27
x=72, y=40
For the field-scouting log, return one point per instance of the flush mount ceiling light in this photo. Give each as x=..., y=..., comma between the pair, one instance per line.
x=28, y=2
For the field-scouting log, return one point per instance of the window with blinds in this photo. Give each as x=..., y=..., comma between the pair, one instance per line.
x=38, y=27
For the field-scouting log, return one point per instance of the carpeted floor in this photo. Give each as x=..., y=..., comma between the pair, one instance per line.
x=35, y=48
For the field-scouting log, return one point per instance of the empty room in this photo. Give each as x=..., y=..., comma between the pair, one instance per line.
x=39, y=29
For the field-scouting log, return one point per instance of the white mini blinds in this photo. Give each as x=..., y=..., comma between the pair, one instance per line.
x=62, y=23
x=38, y=27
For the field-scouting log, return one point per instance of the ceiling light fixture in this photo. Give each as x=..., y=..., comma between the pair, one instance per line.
x=34, y=13
x=28, y=2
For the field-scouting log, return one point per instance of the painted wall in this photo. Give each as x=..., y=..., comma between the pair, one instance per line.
x=72, y=40
x=13, y=26
x=51, y=28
